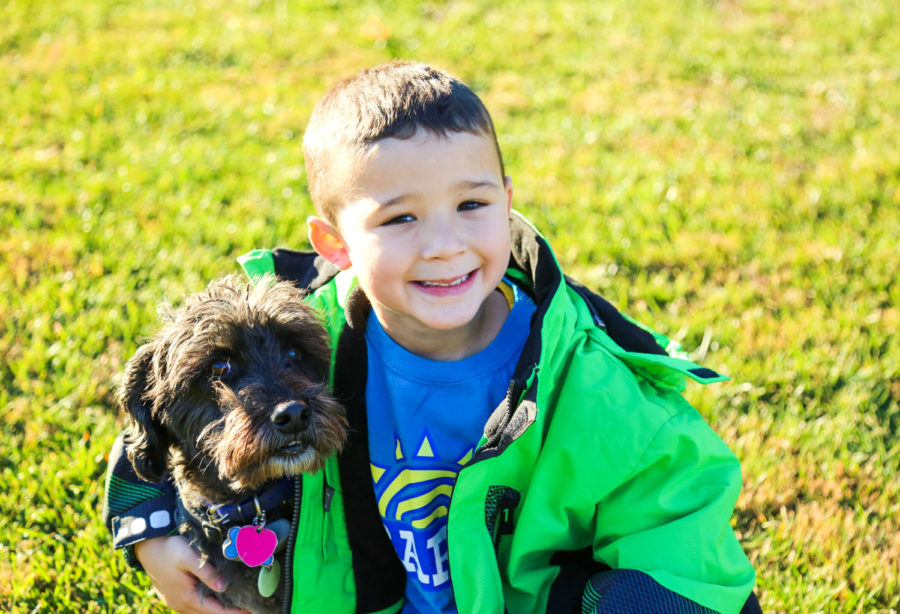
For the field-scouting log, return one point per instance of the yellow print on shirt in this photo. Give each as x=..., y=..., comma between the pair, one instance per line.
x=408, y=490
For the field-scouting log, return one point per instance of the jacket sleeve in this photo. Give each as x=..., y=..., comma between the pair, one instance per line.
x=134, y=510
x=670, y=519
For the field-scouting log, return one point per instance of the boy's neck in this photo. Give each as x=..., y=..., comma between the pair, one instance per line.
x=449, y=345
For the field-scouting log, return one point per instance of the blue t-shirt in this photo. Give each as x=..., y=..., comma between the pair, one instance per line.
x=425, y=419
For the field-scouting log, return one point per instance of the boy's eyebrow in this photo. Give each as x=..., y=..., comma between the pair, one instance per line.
x=466, y=184
x=397, y=200
x=471, y=185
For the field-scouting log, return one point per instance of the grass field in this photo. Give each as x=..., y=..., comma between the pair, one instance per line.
x=727, y=172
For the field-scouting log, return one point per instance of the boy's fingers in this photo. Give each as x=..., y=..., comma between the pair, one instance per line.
x=176, y=569
x=205, y=572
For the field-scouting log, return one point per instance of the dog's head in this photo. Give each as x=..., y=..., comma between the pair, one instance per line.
x=234, y=386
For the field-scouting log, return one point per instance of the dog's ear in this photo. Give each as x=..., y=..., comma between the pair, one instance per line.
x=146, y=442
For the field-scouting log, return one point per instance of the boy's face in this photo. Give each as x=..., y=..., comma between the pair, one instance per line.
x=425, y=227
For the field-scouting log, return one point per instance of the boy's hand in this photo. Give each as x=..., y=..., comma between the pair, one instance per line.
x=174, y=569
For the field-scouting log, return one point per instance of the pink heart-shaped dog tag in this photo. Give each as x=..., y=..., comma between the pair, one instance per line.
x=255, y=546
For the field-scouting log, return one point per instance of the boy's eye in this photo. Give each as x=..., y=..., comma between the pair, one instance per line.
x=471, y=205
x=399, y=219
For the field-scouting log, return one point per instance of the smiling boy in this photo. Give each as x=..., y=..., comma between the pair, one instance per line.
x=425, y=228
x=516, y=444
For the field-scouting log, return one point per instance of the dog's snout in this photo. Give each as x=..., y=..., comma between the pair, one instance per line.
x=291, y=417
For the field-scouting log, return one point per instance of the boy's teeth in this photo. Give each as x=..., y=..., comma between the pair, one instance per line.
x=445, y=285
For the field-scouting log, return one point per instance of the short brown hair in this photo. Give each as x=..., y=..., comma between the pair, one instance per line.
x=393, y=100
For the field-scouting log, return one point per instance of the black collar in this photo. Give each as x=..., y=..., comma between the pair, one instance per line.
x=274, y=500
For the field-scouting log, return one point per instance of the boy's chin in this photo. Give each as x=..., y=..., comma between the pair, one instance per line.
x=474, y=318
x=426, y=323
x=450, y=322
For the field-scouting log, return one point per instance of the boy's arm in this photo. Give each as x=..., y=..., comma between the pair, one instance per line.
x=135, y=510
x=671, y=521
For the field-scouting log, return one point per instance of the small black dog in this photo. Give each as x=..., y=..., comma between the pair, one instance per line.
x=230, y=396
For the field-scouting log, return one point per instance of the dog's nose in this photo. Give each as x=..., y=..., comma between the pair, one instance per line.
x=291, y=417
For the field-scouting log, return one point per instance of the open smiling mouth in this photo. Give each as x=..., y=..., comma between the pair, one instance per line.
x=447, y=284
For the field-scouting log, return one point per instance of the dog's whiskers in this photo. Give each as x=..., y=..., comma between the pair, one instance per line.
x=205, y=440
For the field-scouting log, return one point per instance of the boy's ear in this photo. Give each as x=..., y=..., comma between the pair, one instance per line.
x=507, y=183
x=328, y=243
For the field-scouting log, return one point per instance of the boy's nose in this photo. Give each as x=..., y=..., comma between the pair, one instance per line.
x=442, y=240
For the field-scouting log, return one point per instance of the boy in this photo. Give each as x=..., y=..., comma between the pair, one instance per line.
x=509, y=429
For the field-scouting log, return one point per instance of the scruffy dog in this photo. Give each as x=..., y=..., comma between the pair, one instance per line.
x=230, y=397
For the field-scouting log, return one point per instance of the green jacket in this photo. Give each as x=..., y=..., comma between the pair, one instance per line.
x=594, y=464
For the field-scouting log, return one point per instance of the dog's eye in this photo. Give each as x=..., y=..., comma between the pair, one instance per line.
x=294, y=354
x=220, y=368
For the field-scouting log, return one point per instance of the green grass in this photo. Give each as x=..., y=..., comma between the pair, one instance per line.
x=728, y=172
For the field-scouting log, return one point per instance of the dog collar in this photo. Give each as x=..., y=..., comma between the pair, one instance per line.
x=270, y=498
x=214, y=518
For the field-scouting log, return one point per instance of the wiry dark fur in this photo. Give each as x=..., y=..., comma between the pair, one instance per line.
x=217, y=433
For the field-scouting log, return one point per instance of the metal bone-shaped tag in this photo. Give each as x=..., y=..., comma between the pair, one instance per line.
x=229, y=547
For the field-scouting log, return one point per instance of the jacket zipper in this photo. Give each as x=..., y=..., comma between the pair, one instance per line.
x=289, y=552
x=513, y=395
x=327, y=496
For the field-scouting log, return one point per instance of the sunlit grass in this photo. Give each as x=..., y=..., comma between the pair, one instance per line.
x=727, y=172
